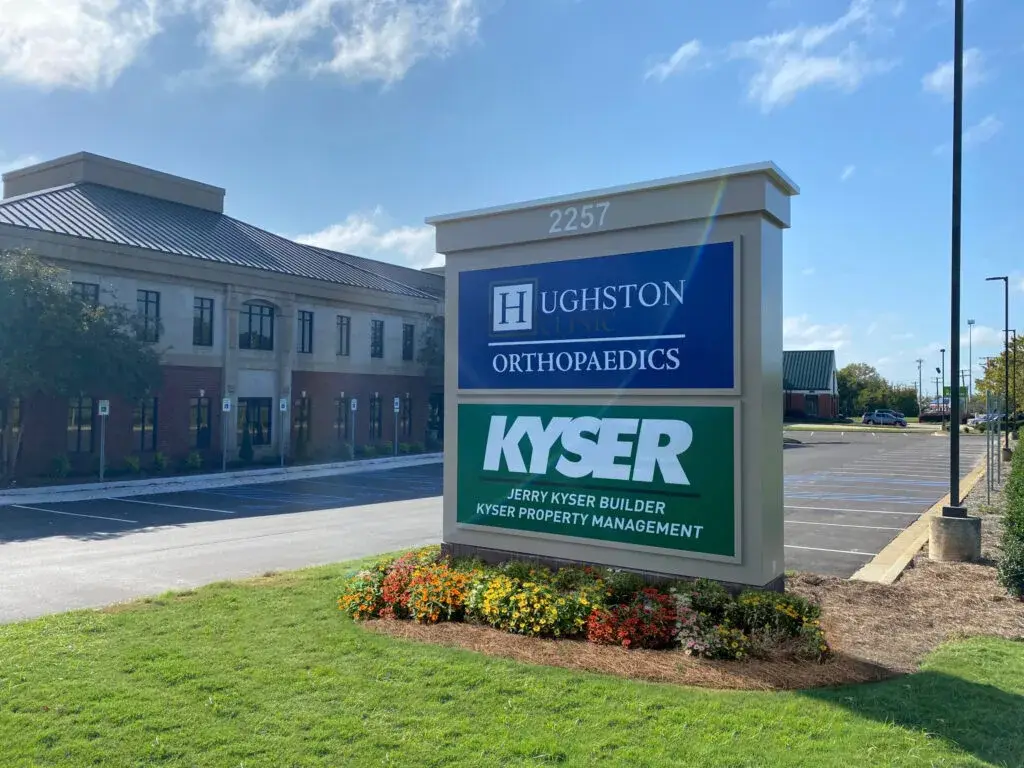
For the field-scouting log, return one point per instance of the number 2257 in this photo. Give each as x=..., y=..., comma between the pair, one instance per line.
x=577, y=219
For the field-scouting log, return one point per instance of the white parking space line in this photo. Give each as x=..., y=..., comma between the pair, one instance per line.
x=876, y=473
x=833, y=551
x=173, y=506
x=75, y=514
x=866, y=511
x=844, y=525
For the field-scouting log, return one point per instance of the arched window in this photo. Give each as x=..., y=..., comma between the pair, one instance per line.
x=256, y=326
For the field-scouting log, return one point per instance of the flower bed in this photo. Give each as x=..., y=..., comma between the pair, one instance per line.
x=599, y=605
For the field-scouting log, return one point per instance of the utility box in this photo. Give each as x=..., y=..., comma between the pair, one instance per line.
x=613, y=377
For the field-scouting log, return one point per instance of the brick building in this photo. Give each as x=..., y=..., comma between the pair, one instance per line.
x=237, y=313
x=810, y=384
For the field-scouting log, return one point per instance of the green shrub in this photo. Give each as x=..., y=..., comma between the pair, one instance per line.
x=368, y=451
x=770, y=612
x=403, y=449
x=534, y=608
x=159, y=461
x=415, y=447
x=60, y=467
x=1010, y=569
x=709, y=598
x=132, y=464
x=343, y=452
x=574, y=577
x=385, y=449
x=622, y=586
x=524, y=571
x=194, y=461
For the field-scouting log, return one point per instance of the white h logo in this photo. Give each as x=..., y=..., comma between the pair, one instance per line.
x=512, y=308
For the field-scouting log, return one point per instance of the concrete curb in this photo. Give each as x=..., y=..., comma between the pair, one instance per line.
x=123, y=488
x=888, y=565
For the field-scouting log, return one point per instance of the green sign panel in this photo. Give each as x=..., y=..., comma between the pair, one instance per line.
x=946, y=391
x=657, y=476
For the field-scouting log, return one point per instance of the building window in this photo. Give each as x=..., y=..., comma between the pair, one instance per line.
x=301, y=421
x=811, y=405
x=408, y=334
x=202, y=322
x=81, y=417
x=144, y=420
x=89, y=293
x=305, y=331
x=148, y=303
x=375, y=419
x=376, y=338
x=344, y=335
x=256, y=327
x=341, y=420
x=405, y=417
x=200, y=429
x=10, y=419
x=255, y=415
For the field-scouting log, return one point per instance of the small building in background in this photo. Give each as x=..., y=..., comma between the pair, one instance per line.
x=810, y=384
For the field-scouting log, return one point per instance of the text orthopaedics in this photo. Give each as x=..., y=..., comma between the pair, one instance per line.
x=657, y=359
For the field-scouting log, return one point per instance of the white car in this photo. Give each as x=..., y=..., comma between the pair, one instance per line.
x=883, y=419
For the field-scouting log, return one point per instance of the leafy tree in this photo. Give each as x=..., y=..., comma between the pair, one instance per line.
x=431, y=352
x=53, y=344
x=995, y=370
x=859, y=386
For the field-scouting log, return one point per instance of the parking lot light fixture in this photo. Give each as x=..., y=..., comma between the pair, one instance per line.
x=1006, y=354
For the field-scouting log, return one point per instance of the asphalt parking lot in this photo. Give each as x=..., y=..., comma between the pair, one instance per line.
x=848, y=494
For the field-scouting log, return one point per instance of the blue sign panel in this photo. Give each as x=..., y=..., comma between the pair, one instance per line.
x=649, y=320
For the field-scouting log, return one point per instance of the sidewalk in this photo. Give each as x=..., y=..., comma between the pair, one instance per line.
x=154, y=485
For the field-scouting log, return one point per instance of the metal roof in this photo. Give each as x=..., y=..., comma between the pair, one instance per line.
x=808, y=369
x=119, y=217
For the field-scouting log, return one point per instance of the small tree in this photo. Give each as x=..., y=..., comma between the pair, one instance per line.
x=53, y=344
x=431, y=352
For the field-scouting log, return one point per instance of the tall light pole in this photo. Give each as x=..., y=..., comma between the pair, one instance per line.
x=1013, y=371
x=920, y=389
x=943, y=373
x=970, y=358
x=1006, y=358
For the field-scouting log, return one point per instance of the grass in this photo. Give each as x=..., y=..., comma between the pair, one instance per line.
x=267, y=673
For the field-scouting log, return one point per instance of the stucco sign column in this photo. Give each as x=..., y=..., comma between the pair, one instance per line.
x=613, y=377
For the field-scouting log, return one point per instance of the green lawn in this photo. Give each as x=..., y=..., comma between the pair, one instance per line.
x=269, y=674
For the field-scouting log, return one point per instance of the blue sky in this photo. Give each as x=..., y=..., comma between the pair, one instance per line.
x=346, y=122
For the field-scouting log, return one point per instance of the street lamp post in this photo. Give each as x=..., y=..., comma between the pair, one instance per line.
x=943, y=373
x=1013, y=372
x=1006, y=357
x=920, y=388
x=970, y=358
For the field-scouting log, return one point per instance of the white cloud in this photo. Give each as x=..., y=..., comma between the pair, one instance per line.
x=14, y=163
x=805, y=57
x=800, y=333
x=983, y=130
x=902, y=336
x=940, y=80
x=976, y=134
x=88, y=44
x=848, y=171
x=684, y=56
x=808, y=271
x=369, y=235
x=983, y=336
x=83, y=44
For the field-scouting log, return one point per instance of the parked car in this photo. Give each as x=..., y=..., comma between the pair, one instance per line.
x=884, y=419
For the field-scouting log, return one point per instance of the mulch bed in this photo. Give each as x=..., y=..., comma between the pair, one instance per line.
x=876, y=631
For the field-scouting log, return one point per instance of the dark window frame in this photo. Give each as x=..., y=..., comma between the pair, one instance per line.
x=305, y=331
x=262, y=405
x=405, y=417
x=344, y=336
x=202, y=321
x=200, y=414
x=408, y=341
x=377, y=339
x=256, y=327
x=77, y=408
x=302, y=417
x=145, y=300
x=145, y=424
x=89, y=293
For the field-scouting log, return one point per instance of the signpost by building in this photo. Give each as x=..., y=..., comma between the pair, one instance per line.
x=225, y=408
x=397, y=408
x=103, y=409
x=354, y=407
x=283, y=408
x=614, y=377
